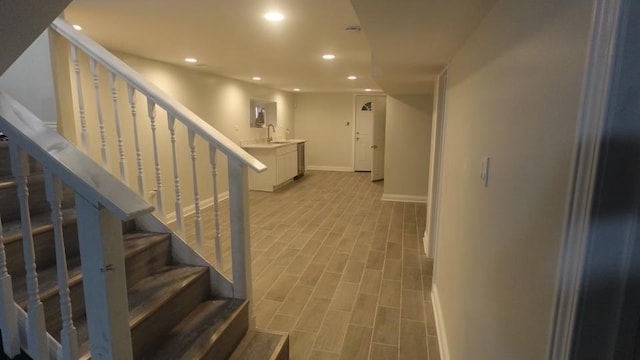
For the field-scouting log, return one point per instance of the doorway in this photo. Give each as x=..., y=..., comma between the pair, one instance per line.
x=369, y=135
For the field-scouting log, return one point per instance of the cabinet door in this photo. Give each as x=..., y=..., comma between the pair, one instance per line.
x=293, y=163
x=282, y=168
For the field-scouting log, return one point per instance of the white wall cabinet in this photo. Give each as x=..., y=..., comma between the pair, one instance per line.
x=281, y=162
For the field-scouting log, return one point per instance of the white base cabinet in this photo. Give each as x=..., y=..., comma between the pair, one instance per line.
x=282, y=166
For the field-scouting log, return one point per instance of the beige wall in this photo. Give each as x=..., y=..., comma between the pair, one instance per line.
x=29, y=80
x=222, y=102
x=322, y=120
x=513, y=95
x=407, y=144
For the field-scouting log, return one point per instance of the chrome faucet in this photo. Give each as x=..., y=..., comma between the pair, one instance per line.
x=269, y=127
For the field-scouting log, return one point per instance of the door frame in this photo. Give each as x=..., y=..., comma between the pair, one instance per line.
x=602, y=68
x=353, y=130
x=438, y=130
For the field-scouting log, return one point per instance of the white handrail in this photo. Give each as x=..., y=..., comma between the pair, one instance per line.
x=159, y=97
x=71, y=165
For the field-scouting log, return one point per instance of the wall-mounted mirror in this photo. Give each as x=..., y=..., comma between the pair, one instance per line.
x=262, y=113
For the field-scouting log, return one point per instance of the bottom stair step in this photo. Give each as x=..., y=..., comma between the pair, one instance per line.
x=262, y=345
x=211, y=331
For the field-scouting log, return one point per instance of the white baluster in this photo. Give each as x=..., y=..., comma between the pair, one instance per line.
x=151, y=107
x=68, y=334
x=8, y=319
x=114, y=96
x=196, y=194
x=103, y=136
x=83, y=119
x=37, y=334
x=216, y=212
x=176, y=176
x=240, y=238
x=132, y=102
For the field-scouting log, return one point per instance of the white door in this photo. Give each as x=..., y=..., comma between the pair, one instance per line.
x=364, y=133
x=379, y=123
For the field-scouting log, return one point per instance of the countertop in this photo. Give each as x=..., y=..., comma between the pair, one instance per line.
x=274, y=144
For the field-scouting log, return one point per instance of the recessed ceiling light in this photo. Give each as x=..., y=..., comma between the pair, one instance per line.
x=257, y=78
x=191, y=60
x=328, y=56
x=77, y=27
x=274, y=16
x=367, y=90
x=351, y=77
x=296, y=89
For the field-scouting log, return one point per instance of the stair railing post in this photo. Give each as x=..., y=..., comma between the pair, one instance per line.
x=8, y=318
x=36, y=329
x=240, y=232
x=105, y=283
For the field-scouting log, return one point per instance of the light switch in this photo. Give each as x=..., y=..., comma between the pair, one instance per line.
x=484, y=172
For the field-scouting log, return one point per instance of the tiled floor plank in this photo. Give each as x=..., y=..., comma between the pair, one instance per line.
x=327, y=251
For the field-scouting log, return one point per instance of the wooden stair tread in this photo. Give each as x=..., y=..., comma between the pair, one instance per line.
x=261, y=344
x=148, y=295
x=9, y=181
x=47, y=282
x=12, y=230
x=197, y=332
x=151, y=292
x=137, y=242
x=47, y=277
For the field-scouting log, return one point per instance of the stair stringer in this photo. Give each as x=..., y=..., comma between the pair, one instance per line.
x=183, y=253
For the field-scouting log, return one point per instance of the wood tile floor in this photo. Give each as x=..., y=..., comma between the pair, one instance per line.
x=337, y=268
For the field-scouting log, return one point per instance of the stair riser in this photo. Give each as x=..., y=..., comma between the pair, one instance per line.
x=145, y=336
x=52, y=309
x=38, y=203
x=44, y=249
x=147, y=262
x=230, y=337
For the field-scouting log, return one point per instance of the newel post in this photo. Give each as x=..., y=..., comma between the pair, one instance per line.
x=105, y=286
x=240, y=231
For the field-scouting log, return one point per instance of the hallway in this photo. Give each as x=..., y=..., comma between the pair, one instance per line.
x=338, y=269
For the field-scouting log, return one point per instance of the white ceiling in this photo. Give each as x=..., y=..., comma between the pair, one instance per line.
x=410, y=40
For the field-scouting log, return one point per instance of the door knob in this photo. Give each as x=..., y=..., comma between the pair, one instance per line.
x=357, y=133
x=374, y=146
x=357, y=138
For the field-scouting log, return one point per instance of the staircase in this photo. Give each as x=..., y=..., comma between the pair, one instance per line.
x=90, y=269
x=173, y=313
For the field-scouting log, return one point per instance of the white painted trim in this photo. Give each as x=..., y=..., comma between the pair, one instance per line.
x=607, y=15
x=404, y=198
x=439, y=128
x=330, y=168
x=443, y=343
x=191, y=209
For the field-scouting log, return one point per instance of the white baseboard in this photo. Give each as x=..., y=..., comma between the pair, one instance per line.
x=440, y=328
x=191, y=209
x=404, y=198
x=330, y=168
